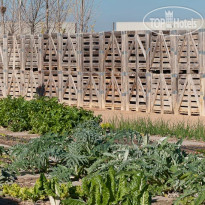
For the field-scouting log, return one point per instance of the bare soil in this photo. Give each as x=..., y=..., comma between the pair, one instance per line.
x=9, y=138
x=14, y=201
x=110, y=114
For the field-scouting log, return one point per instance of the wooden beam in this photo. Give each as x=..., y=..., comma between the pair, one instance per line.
x=40, y=59
x=50, y=77
x=102, y=69
x=60, y=68
x=148, y=73
x=161, y=74
x=5, y=64
x=189, y=73
x=175, y=71
x=202, y=70
x=125, y=72
x=80, y=70
x=31, y=80
x=23, y=64
x=90, y=84
x=113, y=70
x=137, y=68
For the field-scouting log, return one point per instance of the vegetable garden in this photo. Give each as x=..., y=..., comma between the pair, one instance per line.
x=111, y=166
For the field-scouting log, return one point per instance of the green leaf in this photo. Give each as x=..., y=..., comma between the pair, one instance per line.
x=73, y=202
x=200, y=199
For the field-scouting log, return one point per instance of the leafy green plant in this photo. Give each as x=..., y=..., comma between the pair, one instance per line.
x=45, y=152
x=14, y=114
x=114, y=188
x=192, y=197
x=6, y=176
x=2, y=150
x=89, y=151
x=158, y=127
x=41, y=115
x=60, y=155
x=43, y=188
x=117, y=188
x=157, y=161
x=61, y=172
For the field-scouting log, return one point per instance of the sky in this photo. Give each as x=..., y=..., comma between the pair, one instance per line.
x=109, y=11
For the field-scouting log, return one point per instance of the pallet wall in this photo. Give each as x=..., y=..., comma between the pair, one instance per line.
x=136, y=70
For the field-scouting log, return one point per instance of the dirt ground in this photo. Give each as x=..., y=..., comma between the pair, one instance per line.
x=14, y=201
x=111, y=114
x=9, y=138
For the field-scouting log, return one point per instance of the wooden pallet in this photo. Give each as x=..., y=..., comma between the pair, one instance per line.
x=132, y=70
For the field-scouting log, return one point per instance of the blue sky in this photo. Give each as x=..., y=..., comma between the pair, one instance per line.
x=108, y=11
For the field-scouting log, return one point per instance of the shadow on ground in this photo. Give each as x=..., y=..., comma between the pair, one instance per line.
x=7, y=201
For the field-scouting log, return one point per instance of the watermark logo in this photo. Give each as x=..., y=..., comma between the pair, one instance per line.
x=173, y=18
